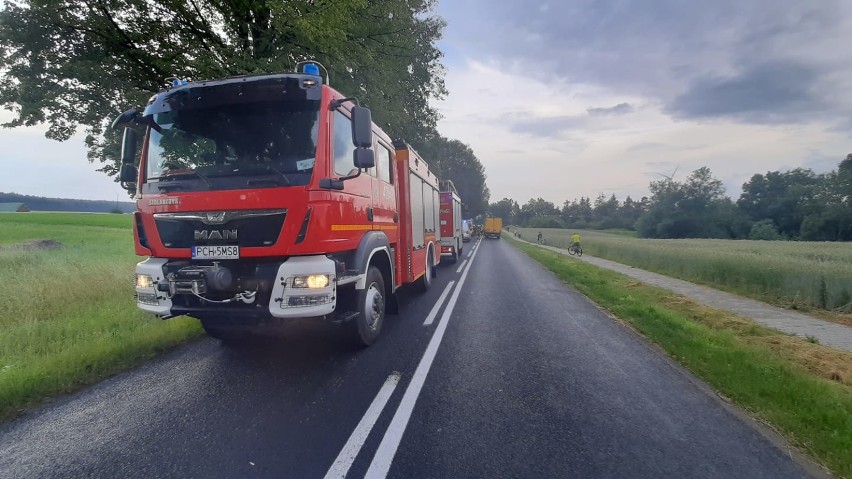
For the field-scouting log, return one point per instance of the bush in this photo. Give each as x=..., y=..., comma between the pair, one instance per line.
x=764, y=230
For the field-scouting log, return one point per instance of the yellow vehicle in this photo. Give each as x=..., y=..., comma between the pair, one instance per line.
x=493, y=227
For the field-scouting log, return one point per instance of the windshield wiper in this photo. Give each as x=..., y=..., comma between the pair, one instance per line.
x=177, y=183
x=263, y=169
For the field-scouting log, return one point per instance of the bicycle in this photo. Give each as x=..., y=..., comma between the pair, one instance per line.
x=575, y=249
x=542, y=241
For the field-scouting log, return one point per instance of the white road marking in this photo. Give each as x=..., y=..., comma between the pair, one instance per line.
x=393, y=436
x=362, y=430
x=462, y=266
x=438, y=304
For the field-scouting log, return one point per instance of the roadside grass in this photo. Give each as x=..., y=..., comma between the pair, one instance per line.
x=110, y=220
x=802, y=389
x=67, y=317
x=810, y=276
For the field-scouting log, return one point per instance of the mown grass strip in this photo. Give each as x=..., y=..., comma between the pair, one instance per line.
x=67, y=315
x=814, y=413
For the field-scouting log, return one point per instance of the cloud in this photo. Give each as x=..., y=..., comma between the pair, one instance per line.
x=547, y=127
x=620, y=109
x=766, y=93
x=760, y=62
x=647, y=146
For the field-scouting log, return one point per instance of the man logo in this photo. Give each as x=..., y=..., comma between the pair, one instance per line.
x=217, y=217
x=215, y=235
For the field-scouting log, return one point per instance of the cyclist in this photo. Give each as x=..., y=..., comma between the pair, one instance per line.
x=575, y=240
x=539, y=236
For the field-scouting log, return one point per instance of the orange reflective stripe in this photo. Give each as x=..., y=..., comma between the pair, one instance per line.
x=362, y=227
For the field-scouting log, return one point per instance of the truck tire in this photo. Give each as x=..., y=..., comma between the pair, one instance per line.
x=425, y=281
x=224, y=333
x=367, y=325
x=455, y=257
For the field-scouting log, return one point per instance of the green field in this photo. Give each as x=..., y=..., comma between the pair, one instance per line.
x=67, y=316
x=790, y=274
x=803, y=390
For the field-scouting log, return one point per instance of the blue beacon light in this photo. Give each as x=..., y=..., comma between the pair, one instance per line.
x=311, y=69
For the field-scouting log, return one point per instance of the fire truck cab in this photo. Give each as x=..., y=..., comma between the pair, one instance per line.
x=269, y=197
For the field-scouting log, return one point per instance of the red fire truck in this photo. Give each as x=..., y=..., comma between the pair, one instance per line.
x=451, y=221
x=262, y=198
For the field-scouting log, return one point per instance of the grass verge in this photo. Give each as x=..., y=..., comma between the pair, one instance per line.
x=815, y=277
x=67, y=315
x=802, y=389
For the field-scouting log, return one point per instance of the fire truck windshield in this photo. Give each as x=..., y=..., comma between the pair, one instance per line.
x=233, y=145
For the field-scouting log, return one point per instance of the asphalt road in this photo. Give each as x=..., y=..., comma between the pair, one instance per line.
x=516, y=376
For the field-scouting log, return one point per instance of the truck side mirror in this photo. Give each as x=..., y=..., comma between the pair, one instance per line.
x=128, y=174
x=363, y=158
x=128, y=146
x=362, y=127
x=125, y=118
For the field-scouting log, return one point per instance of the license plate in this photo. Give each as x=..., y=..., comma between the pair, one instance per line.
x=215, y=252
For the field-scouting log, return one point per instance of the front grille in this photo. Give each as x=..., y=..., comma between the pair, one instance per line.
x=253, y=228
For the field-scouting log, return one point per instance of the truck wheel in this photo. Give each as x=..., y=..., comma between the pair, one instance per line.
x=224, y=333
x=371, y=309
x=455, y=257
x=425, y=281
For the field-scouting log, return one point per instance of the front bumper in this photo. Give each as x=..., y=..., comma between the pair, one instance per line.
x=265, y=295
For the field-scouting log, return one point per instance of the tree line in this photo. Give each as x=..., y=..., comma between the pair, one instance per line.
x=77, y=64
x=41, y=203
x=794, y=205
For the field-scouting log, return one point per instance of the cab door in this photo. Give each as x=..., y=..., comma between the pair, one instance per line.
x=350, y=214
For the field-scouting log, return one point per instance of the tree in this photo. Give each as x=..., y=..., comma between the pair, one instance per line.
x=695, y=208
x=828, y=217
x=764, y=230
x=507, y=209
x=606, y=212
x=785, y=198
x=578, y=214
x=78, y=63
x=453, y=160
x=629, y=212
x=537, y=208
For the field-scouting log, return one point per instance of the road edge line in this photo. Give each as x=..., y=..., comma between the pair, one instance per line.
x=461, y=267
x=359, y=435
x=438, y=304
x=381, y=463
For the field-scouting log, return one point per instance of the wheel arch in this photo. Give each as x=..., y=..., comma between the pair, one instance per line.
x=374, y=250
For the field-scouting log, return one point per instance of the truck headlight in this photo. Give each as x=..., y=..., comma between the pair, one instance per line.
x=311, y=281
x=144, y=281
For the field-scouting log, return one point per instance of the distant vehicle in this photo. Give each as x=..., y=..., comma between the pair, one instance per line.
x=466, y=230
x=493, y=227
x=451, y=221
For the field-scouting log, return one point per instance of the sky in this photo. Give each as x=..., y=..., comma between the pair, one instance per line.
x=576, y=98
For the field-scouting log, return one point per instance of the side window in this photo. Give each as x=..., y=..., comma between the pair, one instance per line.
x=343, y=146
x=383, y=163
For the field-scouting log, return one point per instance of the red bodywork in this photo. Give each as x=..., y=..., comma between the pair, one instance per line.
x=338, y=220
